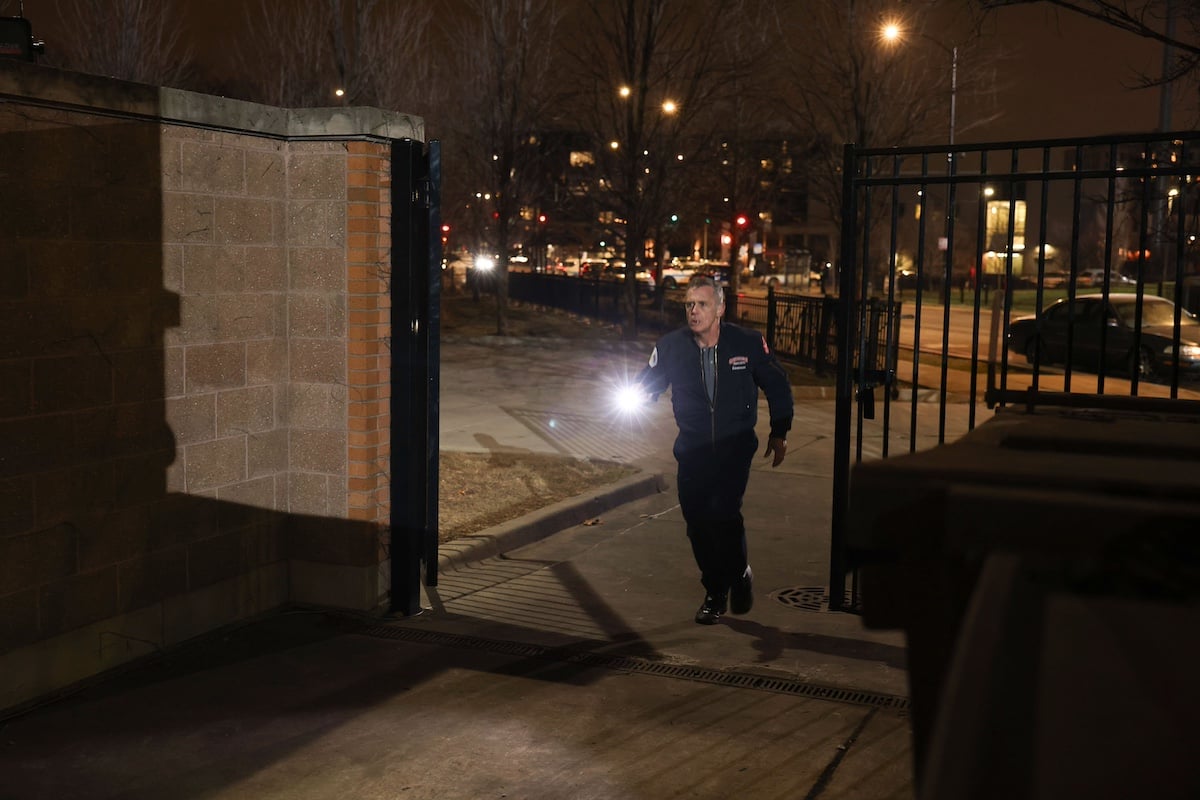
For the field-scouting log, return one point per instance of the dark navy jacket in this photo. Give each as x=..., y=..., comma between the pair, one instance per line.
x=744, y=365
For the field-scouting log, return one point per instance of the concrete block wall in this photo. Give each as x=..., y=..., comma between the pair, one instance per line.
x=193, y=370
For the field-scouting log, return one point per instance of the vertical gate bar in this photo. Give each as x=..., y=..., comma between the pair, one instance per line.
x=861, y=310
x=1044, y=222
x=947, y=279
x=973, y=392
x=1111, y=204
x=408, y=403
x=1143, y=243
x=916, y=342
x=890, y=301
x=1072, y=274
x=433, y=356
x=1010, y=240
x=1180, y=232
x=977, y=299
x=771, y=317
x=845, y=389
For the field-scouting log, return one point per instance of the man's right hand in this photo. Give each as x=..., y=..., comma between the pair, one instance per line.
x=779, y=447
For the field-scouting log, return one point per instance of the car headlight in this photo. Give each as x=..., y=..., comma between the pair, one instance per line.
x=1190, y=352
x=484, y=264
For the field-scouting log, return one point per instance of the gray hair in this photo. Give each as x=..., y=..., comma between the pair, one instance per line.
x=701, y=279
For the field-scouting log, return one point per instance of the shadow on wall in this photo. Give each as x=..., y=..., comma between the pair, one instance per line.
x=101, y=559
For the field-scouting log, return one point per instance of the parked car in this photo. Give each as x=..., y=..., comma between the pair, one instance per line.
x=615, y=271
x=592, y=269
x=1092, y=320
x=718, y=270
x=1052, y=279
x=1095, y=277
x=568, y=267
x=677, y=274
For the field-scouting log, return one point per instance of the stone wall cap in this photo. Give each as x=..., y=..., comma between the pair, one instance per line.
x=46, y=85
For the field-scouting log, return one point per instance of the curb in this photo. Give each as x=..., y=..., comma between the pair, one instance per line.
x=539, y=524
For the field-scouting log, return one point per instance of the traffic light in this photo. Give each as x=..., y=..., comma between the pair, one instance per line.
x=741, y=220
x=541, y=219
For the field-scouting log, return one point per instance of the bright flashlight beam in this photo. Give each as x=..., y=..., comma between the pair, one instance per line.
x=630, y=399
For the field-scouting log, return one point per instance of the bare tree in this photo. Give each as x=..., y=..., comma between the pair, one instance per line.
x=374, y=54
x=505, y=85
x=1175, y=23
x=851, y=85
x=290, y=67
x=134, y=40
x=649, y=71
x=747, y=126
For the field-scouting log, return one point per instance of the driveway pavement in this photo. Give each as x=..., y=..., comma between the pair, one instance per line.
x=549, y=664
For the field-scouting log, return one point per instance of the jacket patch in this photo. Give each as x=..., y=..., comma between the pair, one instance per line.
x=766, y=349
x=738, y=362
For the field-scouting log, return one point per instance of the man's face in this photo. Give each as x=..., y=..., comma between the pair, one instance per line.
x=703, y=312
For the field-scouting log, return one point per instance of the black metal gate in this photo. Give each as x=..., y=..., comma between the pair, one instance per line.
x=416, y=323
x=1023, y=272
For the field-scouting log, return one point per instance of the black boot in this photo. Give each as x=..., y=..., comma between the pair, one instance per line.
x=741, y=595
x=711, y=609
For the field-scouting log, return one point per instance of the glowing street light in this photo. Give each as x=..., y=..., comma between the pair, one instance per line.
x=669, y=107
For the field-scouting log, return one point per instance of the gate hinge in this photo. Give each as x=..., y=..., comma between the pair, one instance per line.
x=424, y=193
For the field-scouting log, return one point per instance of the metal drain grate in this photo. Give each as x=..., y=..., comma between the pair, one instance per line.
x=642, y=666
x=808, y=598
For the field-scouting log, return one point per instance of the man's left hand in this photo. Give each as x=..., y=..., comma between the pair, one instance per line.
x=779, y=446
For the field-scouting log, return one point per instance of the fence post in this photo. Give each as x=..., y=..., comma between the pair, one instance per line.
x=824, y=323
x=771, y=316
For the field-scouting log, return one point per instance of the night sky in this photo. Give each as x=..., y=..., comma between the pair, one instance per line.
x=1067, y=75
x=1073, y=77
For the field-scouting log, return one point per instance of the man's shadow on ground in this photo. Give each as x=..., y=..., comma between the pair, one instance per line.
x=771, y=643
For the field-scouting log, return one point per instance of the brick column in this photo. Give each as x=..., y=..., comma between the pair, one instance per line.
x=368, y=222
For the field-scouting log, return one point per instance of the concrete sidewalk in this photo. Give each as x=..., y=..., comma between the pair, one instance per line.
x=549, y=664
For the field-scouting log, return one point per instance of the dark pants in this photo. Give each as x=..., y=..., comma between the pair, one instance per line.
x=711, y=484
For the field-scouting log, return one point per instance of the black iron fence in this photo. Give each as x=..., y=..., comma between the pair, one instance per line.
x=801, y=329
x=1040, y=273
x=597, y=299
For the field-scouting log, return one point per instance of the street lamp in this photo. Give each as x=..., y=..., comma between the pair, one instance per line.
x=892, y=33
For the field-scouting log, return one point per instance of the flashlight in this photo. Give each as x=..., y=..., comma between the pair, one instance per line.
x=630, y=399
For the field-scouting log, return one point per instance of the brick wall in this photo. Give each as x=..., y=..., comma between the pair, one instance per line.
x=193, y=372
x=368, y=326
